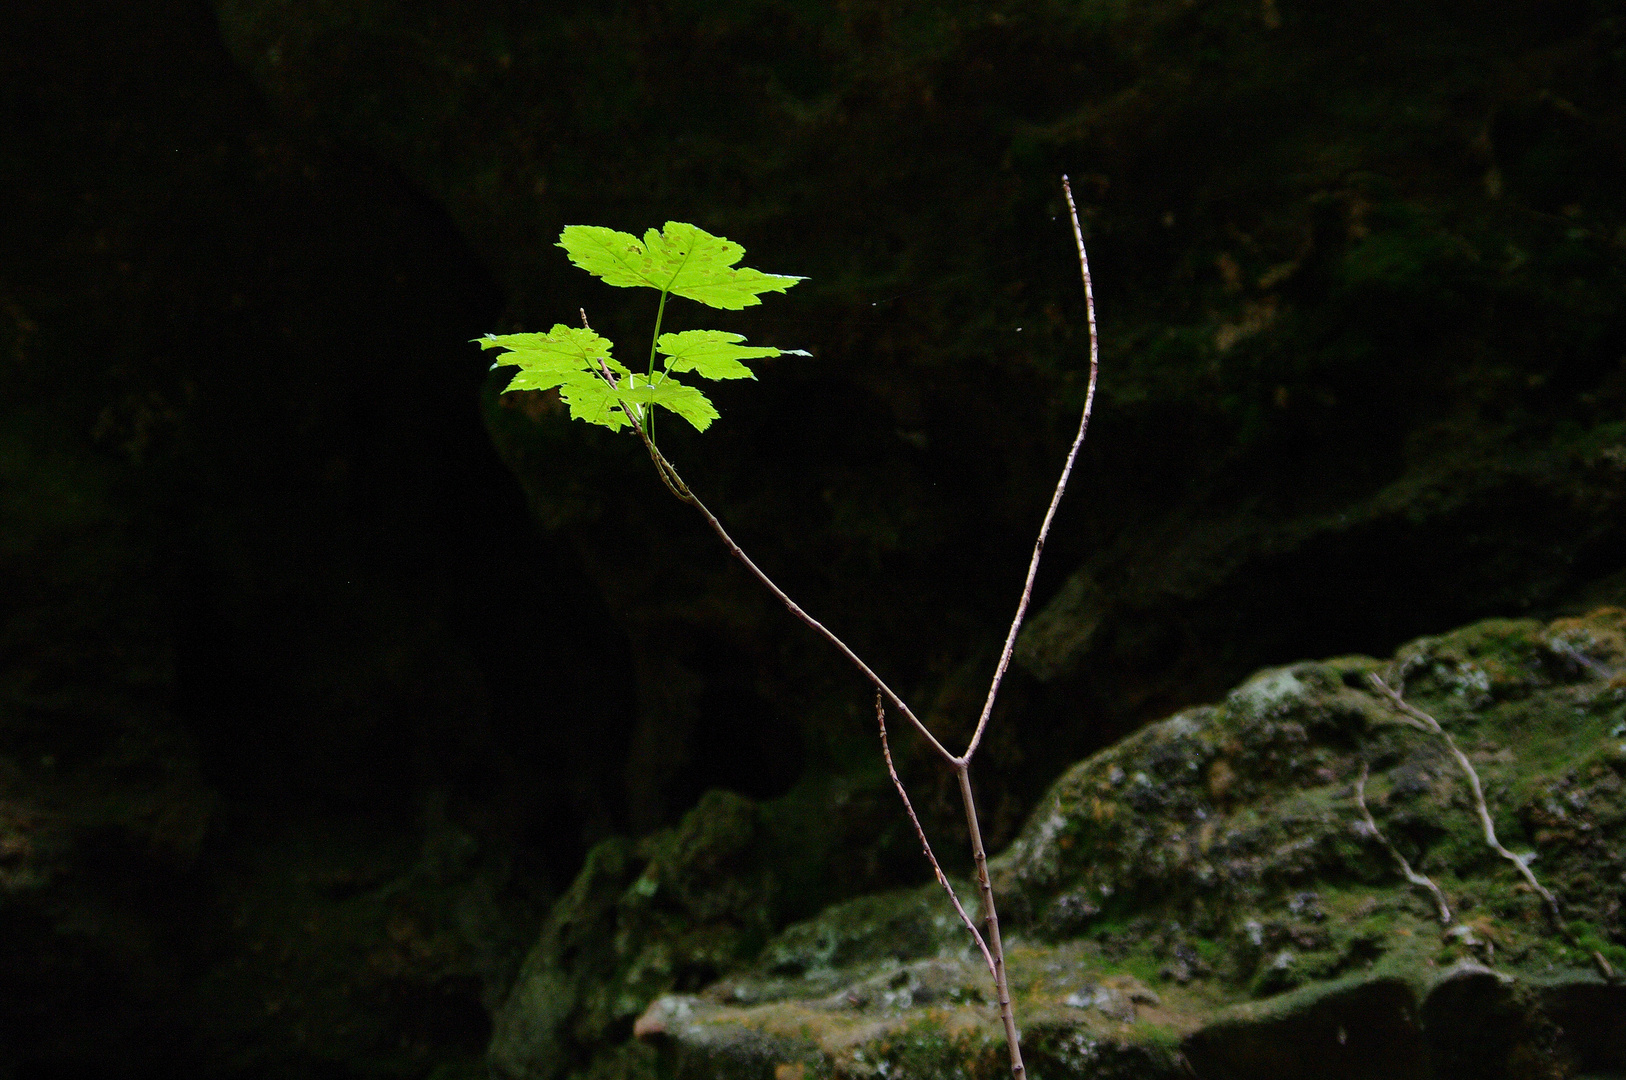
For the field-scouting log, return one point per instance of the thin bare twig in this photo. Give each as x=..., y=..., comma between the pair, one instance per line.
x=1422, y=881
x=925, y=845
x=962, y=764
x=992, y=948
x=1061, y=484
x=1423, y=721
x=674, y=483
x=669, y=474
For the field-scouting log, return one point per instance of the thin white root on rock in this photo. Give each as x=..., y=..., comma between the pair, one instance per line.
x=1422, y=881
x=1422, y=721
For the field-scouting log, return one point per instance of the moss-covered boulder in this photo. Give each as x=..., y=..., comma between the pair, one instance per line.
x=1249, y=806
x=1222, y=892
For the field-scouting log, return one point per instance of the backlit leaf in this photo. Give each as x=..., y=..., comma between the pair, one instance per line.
x=567, y=359
x=711, y=354
x=681, y=398
x=594, y=402
x=563, y=347
x=681, y=259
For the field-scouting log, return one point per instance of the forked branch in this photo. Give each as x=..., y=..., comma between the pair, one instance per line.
x=925, y=844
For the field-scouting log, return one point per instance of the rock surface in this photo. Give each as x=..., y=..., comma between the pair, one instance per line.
x=1207, y=895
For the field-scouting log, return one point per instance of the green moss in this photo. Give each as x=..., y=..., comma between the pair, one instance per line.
x=928, y=1049
x=1159, y=1036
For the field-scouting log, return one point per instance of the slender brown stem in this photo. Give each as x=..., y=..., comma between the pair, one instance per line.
x=675, y=482
x=991, y=921
x=925, y=845
x=1061, y=484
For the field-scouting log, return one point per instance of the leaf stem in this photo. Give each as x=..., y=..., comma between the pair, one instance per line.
x=660, y=313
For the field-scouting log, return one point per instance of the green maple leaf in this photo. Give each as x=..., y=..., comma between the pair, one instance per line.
x=711, y=354
x=681, y=398
x=562, y=349
x=592, y=400
x=569, y=360
x=681, y=259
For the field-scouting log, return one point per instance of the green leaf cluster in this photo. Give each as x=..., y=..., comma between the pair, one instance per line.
x=680, y=260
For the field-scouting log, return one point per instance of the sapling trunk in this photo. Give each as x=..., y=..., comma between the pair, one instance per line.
x=683, y=260
x=1002, y=988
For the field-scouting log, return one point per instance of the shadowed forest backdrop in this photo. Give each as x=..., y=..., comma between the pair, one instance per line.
x=323, y=666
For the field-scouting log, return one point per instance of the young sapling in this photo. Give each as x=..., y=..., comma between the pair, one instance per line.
x=684, y=260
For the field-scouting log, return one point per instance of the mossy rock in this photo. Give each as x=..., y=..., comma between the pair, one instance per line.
x=1207, y=894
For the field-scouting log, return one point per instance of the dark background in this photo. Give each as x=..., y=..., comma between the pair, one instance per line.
x=323, y=665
